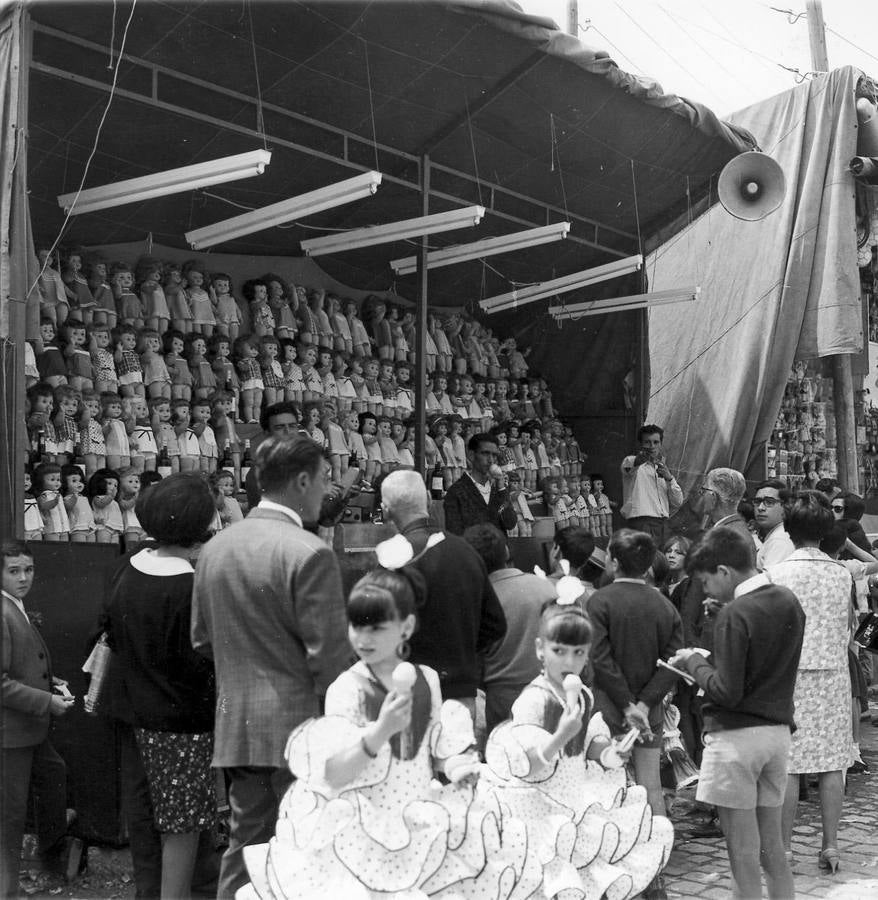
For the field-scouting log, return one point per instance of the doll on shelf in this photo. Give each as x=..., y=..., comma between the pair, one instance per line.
x=187, y=439
x=128, y=367
x=174, y=345
x=285, y=325
x=114, y=433
x=33, y=519
x=272, y=371
x=161, y=416
x=530, y=475
x=389, y=453
x=378, y=326
x=557, y=768
x=554, y=503
x=102, y=490
x=103, y=366
x=53, y=292
x=144, y=450
x=518, y=498
x=603, y=505
x=439, y=433
x=92, y=445
x=228, y=314
x=444, y=355
x=357, y=373
x=342, y=340
x=128, y=305
x=400, y=344
x=441, y=398
x=327, y=373
x=197, y=285
x=533, y=430
x=255, y=292
x=405, y=395
x=129, y=490
x=483, y=403
x=307, y=357
x=223, y=367
x=79, y=295
x=387, y=384
x=204, y=381
x=175, y=296
x=365, y=815
x=372, y=391
x=368, y=427
x=46, y=488
x=148, y=275
x=354, y=440
x=457, y=444
x=294, y=383
x=360, y=343
x=77, y=355
x=156, y=376
x=324, y=335
x=79, y=513
x=208, y=450
x=502, y=409
x=341, y=373
x=336, y=442
x=410, y=335
x=65, y=421
x=245, y=352
x=575, y=457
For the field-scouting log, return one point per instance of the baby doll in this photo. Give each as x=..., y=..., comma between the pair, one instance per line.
x=369, y=434
x=203, y=377
x=255, y=293
x=103, y=366
x=458, y=447
x=66, y=404
x=79, y=512
x=40, y=428
x=79, y=295
x=400, y=344
x=228, y=508
x=439, y=434
x=503, y=409
x=375, y=317
x=505, y=456
x=568, y=500
x=31, y=371
x=245, y=352
x=51, y=362
x=312, y=414
x=224, y=369
x=323, y=335
x=341, y=372
x=603, y=504
x=129, y=489
x=530, y=474
x=574, y=453
x=404, y=437
x=76, y=354
x=91, y=434
x=160, y=416
x=294, y=383
x=208, y=451
x=285, y=325
x=353, y=438
x=482, y=404
x=307, y=356
x=156, y=376
x=127, y=360
x=387, y=384
x=128, y=305
x=174, y=343
x=360, y=343
x=405, y=396
x=203, y=318
x=440, y=342
x=271, y=369
x=325, y=371
x=546, y=399
x=518, y=498
x=142, y=437
x=389, y=454
x=148, y=276
x=411, y=337
x=114, y=433
x=54, y=304
x=336, y=444
x=342, y=340
x=103, y=487
x=440, y=393
x=228, y=315
x=33, y=518
x=187, y=439
x=223, y=425
x=47, y=489
x=175, y=296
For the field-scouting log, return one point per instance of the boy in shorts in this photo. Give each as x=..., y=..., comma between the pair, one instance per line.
x=748, y=708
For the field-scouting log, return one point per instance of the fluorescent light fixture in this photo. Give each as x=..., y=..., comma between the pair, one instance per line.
x=561, y=285
x=621, y=304
x=337, y=194
x=174, y=181
x=489, y=247
x=465, y=217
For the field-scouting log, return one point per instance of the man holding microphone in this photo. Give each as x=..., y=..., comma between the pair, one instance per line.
x=650, y=492
x=479, y=495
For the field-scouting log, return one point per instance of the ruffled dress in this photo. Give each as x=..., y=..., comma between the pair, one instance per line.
x=595, y=835
x=393, y=832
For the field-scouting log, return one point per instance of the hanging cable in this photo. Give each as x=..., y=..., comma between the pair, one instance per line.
x=112, y=37
x=472, y=143
x=260, y=117
x=371, y=104
x=557, y=155
x=589, y=25
x=91, y=155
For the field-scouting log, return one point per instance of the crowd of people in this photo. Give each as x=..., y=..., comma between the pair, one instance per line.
x=543, y=704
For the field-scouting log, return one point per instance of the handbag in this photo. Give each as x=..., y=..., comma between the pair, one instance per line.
x=97, y=665
x=866, y=635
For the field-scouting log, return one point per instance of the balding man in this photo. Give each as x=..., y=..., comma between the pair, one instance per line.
x=462, y=616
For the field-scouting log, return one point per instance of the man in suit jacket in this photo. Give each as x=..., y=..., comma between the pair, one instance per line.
x=462, y=616
x=479, y=495
x=30, y=699
x=268, y=608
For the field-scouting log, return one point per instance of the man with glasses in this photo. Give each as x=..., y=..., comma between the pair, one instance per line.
x=480, y=496
x=769, y=506
x=721, y=492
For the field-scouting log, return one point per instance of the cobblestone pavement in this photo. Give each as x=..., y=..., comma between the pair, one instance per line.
x=700, y=867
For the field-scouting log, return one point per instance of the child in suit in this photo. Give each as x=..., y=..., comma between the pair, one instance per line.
x=31, y=697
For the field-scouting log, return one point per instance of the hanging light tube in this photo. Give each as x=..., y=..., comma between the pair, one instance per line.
x=332, y=195
x=561, y=285
x=622, y=304
x=465, y=217
x=480, y=249
x=173, y=181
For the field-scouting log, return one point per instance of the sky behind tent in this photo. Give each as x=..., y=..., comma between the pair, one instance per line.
x=724, y=54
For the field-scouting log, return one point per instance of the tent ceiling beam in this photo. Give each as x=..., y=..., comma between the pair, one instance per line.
x=583, y=224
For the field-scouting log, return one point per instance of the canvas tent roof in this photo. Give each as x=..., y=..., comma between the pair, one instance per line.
x=514, y=114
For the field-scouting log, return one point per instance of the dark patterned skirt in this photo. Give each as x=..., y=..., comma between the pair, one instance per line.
x=181, y=782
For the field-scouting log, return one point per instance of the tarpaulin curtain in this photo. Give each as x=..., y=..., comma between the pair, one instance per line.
x=772, y=291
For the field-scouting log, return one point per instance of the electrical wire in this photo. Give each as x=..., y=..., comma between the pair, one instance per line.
x=93, y=150
x=590, y=26
x=855, y=46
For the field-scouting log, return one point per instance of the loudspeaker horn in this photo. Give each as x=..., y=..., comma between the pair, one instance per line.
x=751, y=186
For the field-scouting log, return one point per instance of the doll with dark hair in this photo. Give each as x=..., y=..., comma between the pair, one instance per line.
x=148, y=276
x=175, y=296
x=255, y=292
x=197, y=287
x=79, y=295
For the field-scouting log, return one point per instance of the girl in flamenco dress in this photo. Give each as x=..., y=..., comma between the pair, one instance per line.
x=554, y=766
x=365, y=818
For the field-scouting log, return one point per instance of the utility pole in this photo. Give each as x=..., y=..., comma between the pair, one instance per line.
x=573, y=17
x=842, y=377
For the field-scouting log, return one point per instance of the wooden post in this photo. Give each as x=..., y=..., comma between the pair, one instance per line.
x=572, y=17
x=421, y=326
x=817, y=36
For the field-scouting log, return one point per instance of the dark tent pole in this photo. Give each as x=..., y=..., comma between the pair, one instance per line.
x=421, y=326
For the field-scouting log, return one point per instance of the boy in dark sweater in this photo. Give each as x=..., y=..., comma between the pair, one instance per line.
x=748, y=710
x=634, y=625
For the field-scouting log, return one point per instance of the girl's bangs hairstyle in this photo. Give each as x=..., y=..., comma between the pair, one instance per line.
x=381, y=596
x=567, y=625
